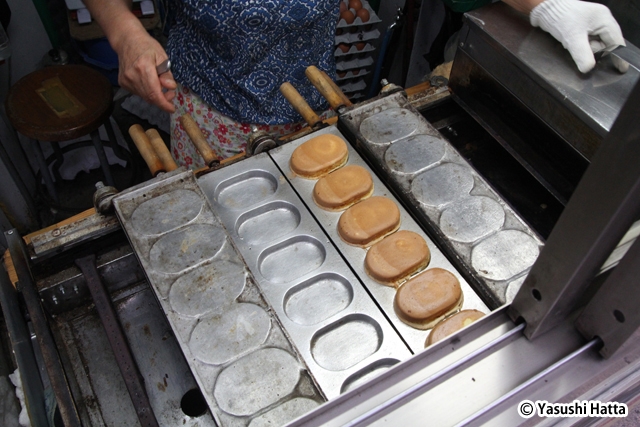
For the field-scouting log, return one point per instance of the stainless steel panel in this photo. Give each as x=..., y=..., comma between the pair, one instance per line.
x=329, y=316
x=355, y=256
x=240, y=357
x=449, y=196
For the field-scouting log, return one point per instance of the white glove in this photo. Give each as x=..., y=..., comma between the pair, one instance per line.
x=582, y=27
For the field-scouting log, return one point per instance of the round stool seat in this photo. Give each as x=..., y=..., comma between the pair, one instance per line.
x=59, y=103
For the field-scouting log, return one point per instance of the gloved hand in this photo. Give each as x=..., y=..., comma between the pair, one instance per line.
x=582, y=27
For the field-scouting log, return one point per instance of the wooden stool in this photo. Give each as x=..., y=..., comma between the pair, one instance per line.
x=61, y=103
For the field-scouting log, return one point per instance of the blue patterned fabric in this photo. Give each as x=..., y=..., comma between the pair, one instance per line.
x=235, y=54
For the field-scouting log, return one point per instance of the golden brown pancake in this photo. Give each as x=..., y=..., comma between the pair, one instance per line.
x=319, y=156
x=369, y=221
x=452, y=324
x=342, y=188
x=396, y=257
x=427, y=298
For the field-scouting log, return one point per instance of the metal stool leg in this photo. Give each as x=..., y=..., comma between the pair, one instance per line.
x=44, y=171
x=117, y=150
x=104, y=163
x=59, y=161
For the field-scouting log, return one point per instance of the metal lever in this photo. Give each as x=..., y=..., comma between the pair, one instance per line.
x=117, y=341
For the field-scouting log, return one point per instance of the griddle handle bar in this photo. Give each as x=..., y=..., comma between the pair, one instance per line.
x=299, y=104
x=345, y=100
x=199, y=141
x=326, y=88
x=161, y=150
x=146, y=150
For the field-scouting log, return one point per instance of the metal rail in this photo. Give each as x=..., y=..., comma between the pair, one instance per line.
x=45, y=339
x=436, y=378
x=118, y=342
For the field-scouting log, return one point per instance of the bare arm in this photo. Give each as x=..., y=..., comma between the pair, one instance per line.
x=138, y=52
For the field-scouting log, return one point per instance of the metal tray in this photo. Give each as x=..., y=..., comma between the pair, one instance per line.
x=242, y=360
x=495, y=246
x=355, y=256
x=336, y=327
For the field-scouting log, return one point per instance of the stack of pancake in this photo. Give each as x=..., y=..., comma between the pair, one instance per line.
x=427, y=300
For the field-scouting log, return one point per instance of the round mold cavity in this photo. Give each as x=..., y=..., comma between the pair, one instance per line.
x=366, y=374
x=268, y=222
x=241, y=328
x=256, y=381
x=471, y=218
x=513, y=288
x=415, y=153
x=290, y=259
x=166, y=212
x=347, y=342
x=247, y=189
x=442, y=184
x=318, y=298
x=504, y=255
x=282, y=414
x=389, y=126
x=187, y=247
x=207, y=289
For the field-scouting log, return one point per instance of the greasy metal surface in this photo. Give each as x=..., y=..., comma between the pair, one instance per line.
x=355, y=256
x=449, y=196
x=103, y=394
x=603, y=208
x=53, y=364
x=248, y=367
x=329, y=316
x=73, y=234
x=596, y=97
x=117, y=341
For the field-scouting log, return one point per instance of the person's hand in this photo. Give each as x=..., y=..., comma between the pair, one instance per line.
x=582, y=27
x=138, y=57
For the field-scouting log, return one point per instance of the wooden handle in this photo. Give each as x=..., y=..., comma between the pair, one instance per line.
x=326, y=88
x=345, y=99
x=146, y=150
x=198, y=139
x=299, y=104
x=158, y=145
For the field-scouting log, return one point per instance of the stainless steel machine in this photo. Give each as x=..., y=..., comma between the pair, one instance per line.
x=226, y=297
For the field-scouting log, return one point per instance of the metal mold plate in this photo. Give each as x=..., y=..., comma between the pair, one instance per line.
x=504, y=254
x=346, y=342
x=292, y=258
x=268, y=222
x=442, y=185
x=468, y=219
x=307, y=282
x=355, y=256
x=166, y=212
x=415, y=153
x=328, y=290
x=367, y=373
x=439, y=193
x=392, y=125
x=240, y=357
x=246, y=189
x=283, y=413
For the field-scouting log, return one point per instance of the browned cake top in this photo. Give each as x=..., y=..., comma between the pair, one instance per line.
x=343, y=187
x=397, y=256
x=370, y=220
x=427, y=297
x=319, y=156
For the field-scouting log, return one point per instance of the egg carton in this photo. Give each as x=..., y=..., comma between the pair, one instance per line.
x=353, y=50
x=373, y=18
x=359, y=35
x=350, y=76
x=354, y=86
x=354, y=63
